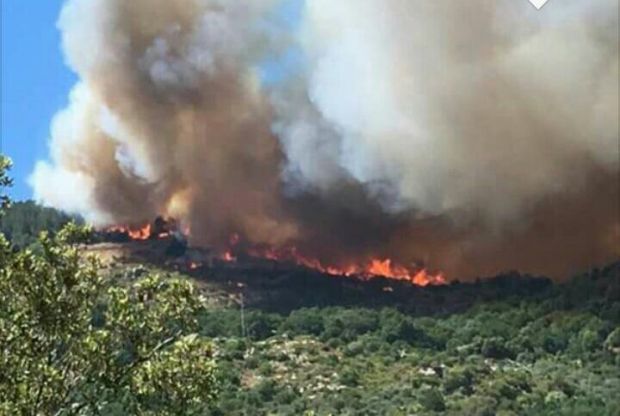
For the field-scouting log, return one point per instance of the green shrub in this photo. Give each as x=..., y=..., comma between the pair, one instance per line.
x=306, y=321
x=496, y=348
x=433, y=400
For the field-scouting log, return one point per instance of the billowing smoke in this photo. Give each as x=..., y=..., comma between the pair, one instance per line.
x=471, y=137
x=168, y=118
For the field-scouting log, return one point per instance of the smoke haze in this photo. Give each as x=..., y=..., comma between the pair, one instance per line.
x=470, y=137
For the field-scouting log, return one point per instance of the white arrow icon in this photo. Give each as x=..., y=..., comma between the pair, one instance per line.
x=539, y=3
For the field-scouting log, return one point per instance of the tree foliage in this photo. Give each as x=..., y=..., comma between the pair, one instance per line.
x=79, y=339
x=72, y=343
x=5, y=183
x=76, y=343
x=502, y=355
x=24, y=221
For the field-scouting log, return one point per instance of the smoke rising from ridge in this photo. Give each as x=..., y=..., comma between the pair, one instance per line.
x=471, y=137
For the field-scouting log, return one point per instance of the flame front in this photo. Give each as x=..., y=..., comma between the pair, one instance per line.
x=237, y=249
x=136, y=234
x=376, y=267
x=141, y=232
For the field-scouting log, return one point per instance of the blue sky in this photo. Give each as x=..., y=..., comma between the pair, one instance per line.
x=36, y=82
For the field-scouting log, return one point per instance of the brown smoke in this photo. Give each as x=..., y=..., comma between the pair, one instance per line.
x=471, y=137
x=168, y=118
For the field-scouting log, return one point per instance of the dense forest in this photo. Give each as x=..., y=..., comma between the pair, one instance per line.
x=79, y=337
x=23, y=221
x=549, y=353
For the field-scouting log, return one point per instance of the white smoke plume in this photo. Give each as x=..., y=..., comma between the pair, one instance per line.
x=481, y=106
x=471, y=136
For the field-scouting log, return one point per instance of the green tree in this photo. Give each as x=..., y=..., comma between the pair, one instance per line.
x=305, y=321
x=22, y=223
x=613, y=340
x=73, y=343
x=495, y=347
x=5, y=183
x=433, y=400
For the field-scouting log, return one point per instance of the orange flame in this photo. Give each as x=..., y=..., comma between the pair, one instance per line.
x=387, y=269
x=228, y=257
x=142, y=233
x=374, y=268
x=137, y=234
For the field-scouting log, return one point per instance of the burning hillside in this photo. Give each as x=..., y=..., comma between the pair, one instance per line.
x=365, y=270
x=407, y=140
x=238, y=252
x=159, y=229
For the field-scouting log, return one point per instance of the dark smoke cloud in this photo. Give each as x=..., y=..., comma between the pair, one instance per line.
x=471, y=137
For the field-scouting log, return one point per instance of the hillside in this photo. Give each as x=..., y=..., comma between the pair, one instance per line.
x=291, y=341
x=24, y=220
